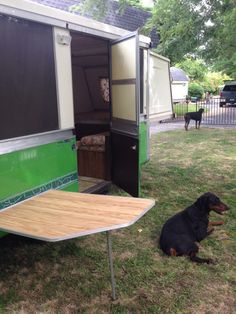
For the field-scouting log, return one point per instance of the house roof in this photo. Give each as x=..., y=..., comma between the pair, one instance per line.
x=129, y=19
x=178, y=75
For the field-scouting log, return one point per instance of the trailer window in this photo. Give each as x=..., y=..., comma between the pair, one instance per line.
x=28, y=98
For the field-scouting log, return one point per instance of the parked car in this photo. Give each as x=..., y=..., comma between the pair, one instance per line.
x=195, y=98
x=228, y=94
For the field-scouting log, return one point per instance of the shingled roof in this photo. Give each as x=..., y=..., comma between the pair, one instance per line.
x=178, y=75
x=130, y=18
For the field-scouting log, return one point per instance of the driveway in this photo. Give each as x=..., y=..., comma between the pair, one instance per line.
x=163, y=127
x=171, y=126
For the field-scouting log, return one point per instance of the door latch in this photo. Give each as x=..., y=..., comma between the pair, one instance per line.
x=74, y=147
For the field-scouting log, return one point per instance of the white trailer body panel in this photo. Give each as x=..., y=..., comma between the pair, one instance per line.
x=160, y=97
x=62, y=55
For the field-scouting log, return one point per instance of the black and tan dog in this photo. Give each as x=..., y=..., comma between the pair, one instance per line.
x=197, y=116
x=181, y=232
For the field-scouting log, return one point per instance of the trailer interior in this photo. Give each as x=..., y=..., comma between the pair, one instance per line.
x=92, y=110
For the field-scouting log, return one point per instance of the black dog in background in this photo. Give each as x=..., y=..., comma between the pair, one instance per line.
x=180, y=232
x=197, y=116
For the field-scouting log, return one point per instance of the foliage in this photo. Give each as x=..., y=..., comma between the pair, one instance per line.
x=205, y=28
x=198, y=73
x=208, y=87
x=213, y=80
x=195, y=90
x=220, y=47
x=98, y=9
x=179, y=25
x=136, y=3
x=195, y=68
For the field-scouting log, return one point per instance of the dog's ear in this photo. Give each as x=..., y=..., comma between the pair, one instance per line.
x=201, y=203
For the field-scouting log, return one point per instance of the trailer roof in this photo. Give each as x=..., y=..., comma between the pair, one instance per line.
x=131, y=18
x=45, y=14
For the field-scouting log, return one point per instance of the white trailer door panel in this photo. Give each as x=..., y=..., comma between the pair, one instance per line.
x=125, y=97
x=125, y=84
x=160, y=98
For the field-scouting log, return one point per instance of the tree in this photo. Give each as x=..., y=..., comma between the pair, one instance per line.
x=195, y=68
x=205, y=28
x=213, y=81
x=180, y=27
x=201, y=79
x=221, y=45
x=195, y=90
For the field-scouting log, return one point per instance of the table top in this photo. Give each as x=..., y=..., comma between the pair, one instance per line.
x=59, y=215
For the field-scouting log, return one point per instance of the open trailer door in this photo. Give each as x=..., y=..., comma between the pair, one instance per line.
x=125, y=113
x=160, y=96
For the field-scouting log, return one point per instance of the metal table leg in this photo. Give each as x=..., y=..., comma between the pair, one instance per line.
x=109, y=248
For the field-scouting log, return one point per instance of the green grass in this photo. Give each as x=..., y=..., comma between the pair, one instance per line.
x=73, y=276
x=181, y=108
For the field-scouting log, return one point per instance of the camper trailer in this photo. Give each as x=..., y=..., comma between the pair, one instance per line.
x=75, y=102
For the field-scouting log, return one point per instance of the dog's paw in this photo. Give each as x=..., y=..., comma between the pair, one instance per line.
x=210, y=230
x=216, y=223
x=219, y=223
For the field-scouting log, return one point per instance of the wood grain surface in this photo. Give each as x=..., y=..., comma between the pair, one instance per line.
x=59, y=215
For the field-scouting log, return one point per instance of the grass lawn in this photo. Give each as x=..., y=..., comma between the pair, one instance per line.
x=73, y=276
x=181, y=108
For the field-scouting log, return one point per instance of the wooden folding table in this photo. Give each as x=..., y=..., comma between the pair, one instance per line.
x=58, y=215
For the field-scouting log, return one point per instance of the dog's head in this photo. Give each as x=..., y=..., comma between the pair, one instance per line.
x=210, y=201
x=201, y=110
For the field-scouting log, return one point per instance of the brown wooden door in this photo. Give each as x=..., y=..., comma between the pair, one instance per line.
x=125, y=163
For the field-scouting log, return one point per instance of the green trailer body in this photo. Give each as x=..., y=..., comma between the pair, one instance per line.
x=28, y=172
x=25, y=172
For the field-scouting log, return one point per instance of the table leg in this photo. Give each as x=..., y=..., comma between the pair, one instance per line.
x=109, y=248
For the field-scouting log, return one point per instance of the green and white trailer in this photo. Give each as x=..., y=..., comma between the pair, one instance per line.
x=56, y=71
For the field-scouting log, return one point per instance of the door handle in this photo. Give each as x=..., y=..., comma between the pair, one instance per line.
x=133, y=147
x=74, y=147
